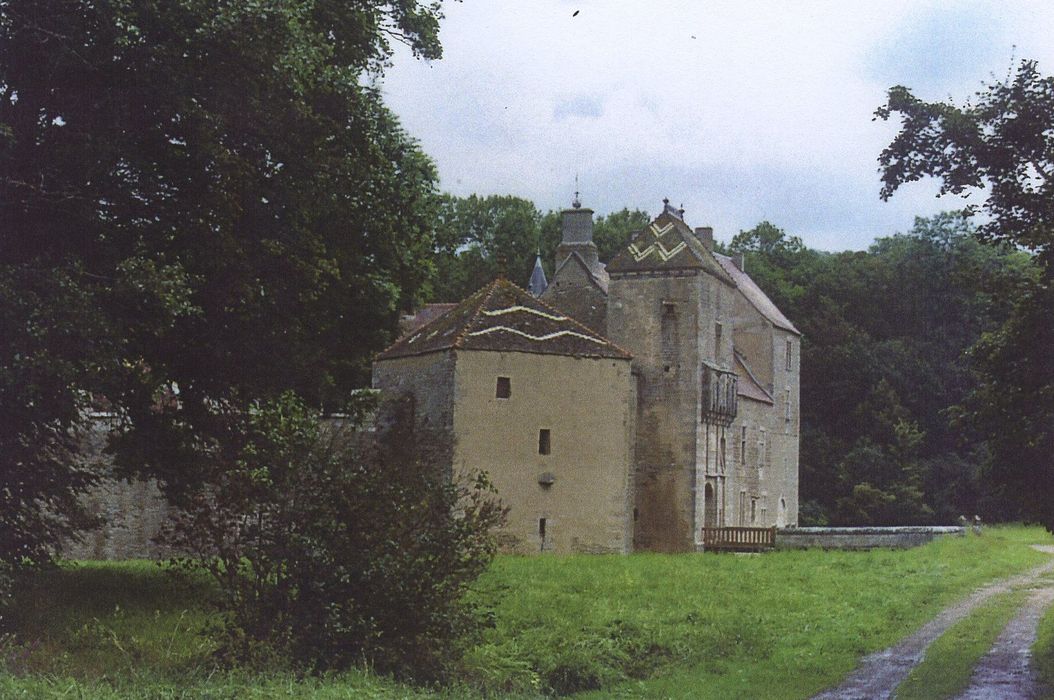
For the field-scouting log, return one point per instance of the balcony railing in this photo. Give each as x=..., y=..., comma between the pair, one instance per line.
x=720, y=396
x=738, y=539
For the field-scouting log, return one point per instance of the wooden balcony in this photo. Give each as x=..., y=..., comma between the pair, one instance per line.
x=738, y=539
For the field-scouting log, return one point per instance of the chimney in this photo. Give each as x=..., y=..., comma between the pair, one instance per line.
x=740, y=262
x=705, y=234
x=577, y=235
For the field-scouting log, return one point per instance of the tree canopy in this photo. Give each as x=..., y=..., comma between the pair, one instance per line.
x=1004, y=143
x=204, y=204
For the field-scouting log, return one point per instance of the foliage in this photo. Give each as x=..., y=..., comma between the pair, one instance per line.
x=203, y=204
x=884, y=369
x=479, y=238
x=322, y=542
x=1004, y=143
x=126, y=630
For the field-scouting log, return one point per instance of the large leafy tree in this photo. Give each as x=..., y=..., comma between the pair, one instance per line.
x=203, y=204
x=1002, y=142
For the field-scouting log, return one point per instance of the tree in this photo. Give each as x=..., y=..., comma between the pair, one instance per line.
x=480, y=238
x=331, y=548
x=1004, y=142
x=204, y=206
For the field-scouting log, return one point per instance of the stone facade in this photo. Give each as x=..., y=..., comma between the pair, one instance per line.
x=711, y=437
x=508, y=377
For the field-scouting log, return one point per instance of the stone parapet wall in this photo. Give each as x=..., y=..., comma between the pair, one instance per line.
x=861, y=537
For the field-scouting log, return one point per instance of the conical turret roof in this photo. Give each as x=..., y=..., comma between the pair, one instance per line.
x=538, y=283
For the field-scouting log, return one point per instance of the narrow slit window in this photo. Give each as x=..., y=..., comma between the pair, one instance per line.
x=787, y=407
x=545, y=444
x=541, y=528
x=503, y=390
x=789, y=353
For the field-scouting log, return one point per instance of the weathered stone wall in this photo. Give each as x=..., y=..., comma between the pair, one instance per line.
x=860, y=537
x=656, y=318
x=133, y=512
x=583, y=487
x=768, y=472
x=429, y=379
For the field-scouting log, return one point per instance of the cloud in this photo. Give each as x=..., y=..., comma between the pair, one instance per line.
x=741, y=110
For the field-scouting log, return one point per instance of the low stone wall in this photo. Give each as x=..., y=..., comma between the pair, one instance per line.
x=860, y=537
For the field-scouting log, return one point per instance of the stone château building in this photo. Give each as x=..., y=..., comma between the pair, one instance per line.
x=628, y=405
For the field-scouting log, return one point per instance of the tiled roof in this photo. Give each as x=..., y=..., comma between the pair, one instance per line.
x=426, y=314
x=755, y=296
x=504, y=317
x=667, y=244
x=748, y=386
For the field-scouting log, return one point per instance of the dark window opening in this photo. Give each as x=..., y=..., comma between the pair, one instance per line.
x=541, y=528
x=636, y=514
x=718, y=331
x=503, y=389
x=544, y=442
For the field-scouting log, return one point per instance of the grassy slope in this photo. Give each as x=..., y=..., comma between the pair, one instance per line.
x=949, y=663
x=777, y=625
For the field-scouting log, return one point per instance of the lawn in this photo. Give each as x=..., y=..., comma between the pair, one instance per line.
x=781, y=625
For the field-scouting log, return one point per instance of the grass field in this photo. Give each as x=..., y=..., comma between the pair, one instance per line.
x=780, y=625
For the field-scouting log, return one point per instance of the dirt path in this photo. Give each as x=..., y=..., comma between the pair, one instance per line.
x=879, y=674
x=1004, y=672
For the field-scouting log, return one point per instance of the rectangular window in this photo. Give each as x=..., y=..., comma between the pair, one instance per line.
x=787, y=407
x=743, y=446
x=718, y=331
x=544, y=442
x=742, y=508
x=504, y=388
x=668, y=334
x=541, y=528
x=753, y=510
x=789, y=353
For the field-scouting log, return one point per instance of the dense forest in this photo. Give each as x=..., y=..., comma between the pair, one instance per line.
x=888, y=337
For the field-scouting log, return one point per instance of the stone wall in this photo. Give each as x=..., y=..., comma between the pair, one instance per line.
x=656, y=318
x=860, y=537
x=582, y=486
x=133, y=513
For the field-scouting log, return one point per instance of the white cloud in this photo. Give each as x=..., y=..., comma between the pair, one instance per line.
x=742, y=111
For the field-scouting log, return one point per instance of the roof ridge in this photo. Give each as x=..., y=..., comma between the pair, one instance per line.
x=586, y=328
x=488, y=291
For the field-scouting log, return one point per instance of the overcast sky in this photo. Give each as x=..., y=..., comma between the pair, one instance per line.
x=740, y=111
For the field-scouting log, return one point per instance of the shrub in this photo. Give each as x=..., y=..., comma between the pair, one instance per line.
x=334, y=546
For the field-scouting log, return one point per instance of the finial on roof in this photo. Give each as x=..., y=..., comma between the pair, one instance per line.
x=665, y=203
x=576, y=202
x=681, y=211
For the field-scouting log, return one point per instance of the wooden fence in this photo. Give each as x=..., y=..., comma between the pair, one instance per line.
x=738, y=539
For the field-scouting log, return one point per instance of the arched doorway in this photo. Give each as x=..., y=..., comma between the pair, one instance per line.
x=709, y=506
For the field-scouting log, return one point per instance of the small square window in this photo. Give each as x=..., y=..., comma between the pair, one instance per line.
x=544, y=441
x=503, y=389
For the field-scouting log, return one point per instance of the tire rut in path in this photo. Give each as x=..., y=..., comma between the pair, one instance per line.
x=1005, y=671
x=879, y=674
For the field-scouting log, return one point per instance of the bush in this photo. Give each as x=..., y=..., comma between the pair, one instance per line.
x=333, y=546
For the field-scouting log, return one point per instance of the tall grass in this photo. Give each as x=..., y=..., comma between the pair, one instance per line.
x=783, y=624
